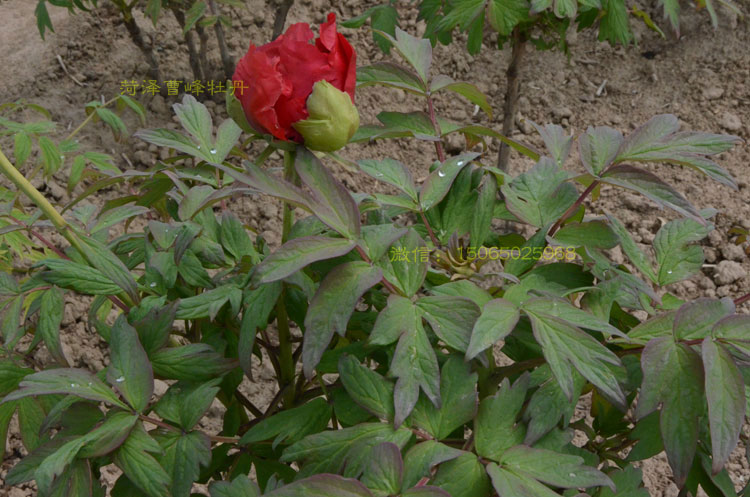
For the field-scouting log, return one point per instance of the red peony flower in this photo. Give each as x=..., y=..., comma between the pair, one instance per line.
x=274, y=81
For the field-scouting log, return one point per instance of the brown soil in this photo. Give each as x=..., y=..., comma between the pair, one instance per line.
x=703, y=78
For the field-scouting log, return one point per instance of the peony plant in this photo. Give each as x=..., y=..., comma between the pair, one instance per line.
x=416, y=350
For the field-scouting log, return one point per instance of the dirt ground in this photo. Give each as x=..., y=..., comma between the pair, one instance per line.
x=703, y=78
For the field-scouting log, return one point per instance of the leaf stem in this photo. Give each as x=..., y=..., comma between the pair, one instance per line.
x=167, y=426
x=573, y=208
x=89, y=118
x=384, y=281
x=430, y=232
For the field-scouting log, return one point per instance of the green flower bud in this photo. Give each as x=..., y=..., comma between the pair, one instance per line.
x=333, y=118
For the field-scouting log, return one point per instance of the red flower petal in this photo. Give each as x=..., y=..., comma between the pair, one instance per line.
x=259, y=85
x=341, y=56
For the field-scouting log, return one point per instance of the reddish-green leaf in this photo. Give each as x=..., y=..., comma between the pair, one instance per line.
x=725, y=393
x=130, y=370
x=673, y=377
x=298, y=253
x=332, y=306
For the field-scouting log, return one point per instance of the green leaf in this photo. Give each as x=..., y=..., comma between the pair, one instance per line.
x=21, y=148
x=227, y=135
x=331, y=451
x=614, y=26
x=549, y=404
x=42, y=18
x=322, y=486
x=392, y=172
x=234, y=238
x=66, y=381
x=78, y=277
x=186, y=402
x=466, y=90
x=635, y=254
x=673, y=378
x=423, y=457
x=109, y=435
x=558, y=144
x=407, y=265
x=175, y=140
x=139, y=466
x=553, y=468
x=366, y=387
x=208, y=303
x=725, y=394
x=11, y=375
x=7, y=410
x=464, y=288
x=385, y=471
x=378, y=238
x=55, y=464
x=193, y=115
x=416, y=51
x=130, y=370
x=291, y=425
x=197, y=198
x=590, y=234
x=52, y=158
x=495, y=426
x=695, y=319
x=30, y=419
x=391, y=75
x=335, y=205
x=415, y=365
x=598, y=148
x=504, y=15
x=241, y=486
x=50, y=317
x=565, y=345
x=541, y=195
x=299, y=253
x=629, y=483
x=510, y=484
x=11, y=322
x=397, y=318
x=184, y=455
x=332, y=306
x=192, y=362
x=519, y=265
x=110, y=265
x=564, y=310
x=458, y=393
x=113, y=121
x=463, y=477
x=451, y=318
x=438, y=183
x=652, y=187
x=497, y=320
x=676, y=259
x=258, y=304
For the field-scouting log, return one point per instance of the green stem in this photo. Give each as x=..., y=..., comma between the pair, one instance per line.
x=89, y=118
x=286, y=357
x=49, y=211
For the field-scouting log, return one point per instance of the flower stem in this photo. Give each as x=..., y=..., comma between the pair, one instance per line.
x=286, y=358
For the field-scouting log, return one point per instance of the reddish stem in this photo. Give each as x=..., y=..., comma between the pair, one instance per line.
x=384, y=281
x=439, y=142
x=573, y=208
